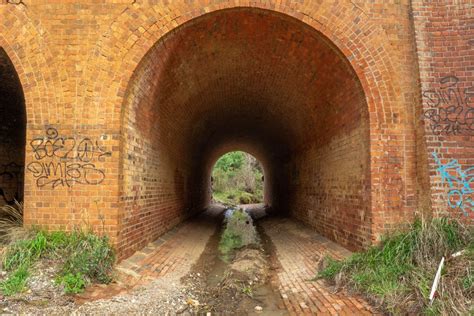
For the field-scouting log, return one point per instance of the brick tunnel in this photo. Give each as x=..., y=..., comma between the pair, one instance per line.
x=114, y=112
x=252, y=80
x=119, y=123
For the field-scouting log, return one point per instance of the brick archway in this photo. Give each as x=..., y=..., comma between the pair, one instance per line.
x=12, y=133
x=23, y=43
x=365, y=48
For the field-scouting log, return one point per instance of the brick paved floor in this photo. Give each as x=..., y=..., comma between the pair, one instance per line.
x=175, y=252
x=173, y=255
x=298, y=249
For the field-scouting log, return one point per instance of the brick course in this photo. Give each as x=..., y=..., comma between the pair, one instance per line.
x=144, y=97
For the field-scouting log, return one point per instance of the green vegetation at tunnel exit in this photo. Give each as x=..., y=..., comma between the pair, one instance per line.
x=82, y=258
x=398, y=273
x=237, y=179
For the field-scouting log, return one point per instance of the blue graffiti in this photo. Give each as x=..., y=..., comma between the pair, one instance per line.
x=460, y=184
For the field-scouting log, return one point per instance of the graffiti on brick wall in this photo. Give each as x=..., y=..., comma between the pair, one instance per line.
x=65, y=161
x=460, y=182
x=10, y=182
x=450, y=110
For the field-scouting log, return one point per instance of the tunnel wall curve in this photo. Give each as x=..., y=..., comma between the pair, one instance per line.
x=12, y=133
x=75, y=70
x=389, y=127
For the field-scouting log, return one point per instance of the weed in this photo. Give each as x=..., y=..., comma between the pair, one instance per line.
x=25, y=252
x=399, y=272
x=91, y=256
x=15, y=282
x=229, y=242
x=84, y=257
x=247, y=290
x=11, y=223
x=73, y=283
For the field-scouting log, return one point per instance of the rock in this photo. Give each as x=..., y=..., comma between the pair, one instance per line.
x=192, y=302
x=258, y=308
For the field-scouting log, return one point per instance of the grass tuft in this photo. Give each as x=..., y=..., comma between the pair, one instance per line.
x=398, y=273
x=84, y=256
x=11, y=223
x=16, y=281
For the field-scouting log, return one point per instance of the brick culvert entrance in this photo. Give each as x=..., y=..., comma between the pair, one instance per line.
x=253, y=80
x=114, y=112
x=124, y=139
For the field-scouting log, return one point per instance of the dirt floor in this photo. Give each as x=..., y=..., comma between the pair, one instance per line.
x=183, y=273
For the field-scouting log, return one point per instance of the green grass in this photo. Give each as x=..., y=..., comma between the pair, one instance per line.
x=229, y=242
x=73, y=283
x=15, y=282
x=231, y=239
x=398, y=273
x=84, y=258
x=236, y=197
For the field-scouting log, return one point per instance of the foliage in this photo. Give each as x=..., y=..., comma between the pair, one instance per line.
x=11, y=223
x=231, y=161
x=73, y=283
x=237, y=179
x=229, y=242
x=398, y=273
x=239, y=232
x=16, y=281
x=84, y=256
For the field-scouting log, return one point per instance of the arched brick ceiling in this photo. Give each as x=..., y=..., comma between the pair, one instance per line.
x=249, y=75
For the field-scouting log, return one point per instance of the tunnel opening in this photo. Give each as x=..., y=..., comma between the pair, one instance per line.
x=12, y=133
x=253, y=80
x=237, y=178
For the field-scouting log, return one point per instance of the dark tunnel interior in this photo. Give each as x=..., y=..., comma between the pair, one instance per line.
x=252, y=80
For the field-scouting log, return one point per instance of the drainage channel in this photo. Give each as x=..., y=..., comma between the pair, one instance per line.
x=240, y=281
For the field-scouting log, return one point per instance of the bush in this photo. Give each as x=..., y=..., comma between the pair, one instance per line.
x=90, y=256
x=398, y=273
x=237, y=179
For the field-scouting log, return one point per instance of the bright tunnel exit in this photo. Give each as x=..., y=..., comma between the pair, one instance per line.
x=237, y=178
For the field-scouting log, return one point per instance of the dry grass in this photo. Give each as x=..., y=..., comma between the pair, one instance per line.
x=11, y=223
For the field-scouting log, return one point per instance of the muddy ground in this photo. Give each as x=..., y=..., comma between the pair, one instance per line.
x=243, y=285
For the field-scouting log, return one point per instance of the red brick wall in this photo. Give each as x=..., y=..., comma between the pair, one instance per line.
x=153, y=94
x=330, y=179
x=445, y=43
x=155, y=168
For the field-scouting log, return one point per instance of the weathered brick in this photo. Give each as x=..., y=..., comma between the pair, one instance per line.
x=137, y=100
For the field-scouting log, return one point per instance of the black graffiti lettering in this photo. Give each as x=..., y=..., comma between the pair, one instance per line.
x=448, y=109
x=432, y=97
x=65, y=161
x=65, y=173
x=92, y=175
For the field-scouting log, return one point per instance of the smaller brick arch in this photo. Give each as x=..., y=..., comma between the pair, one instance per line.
x=24, y=42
